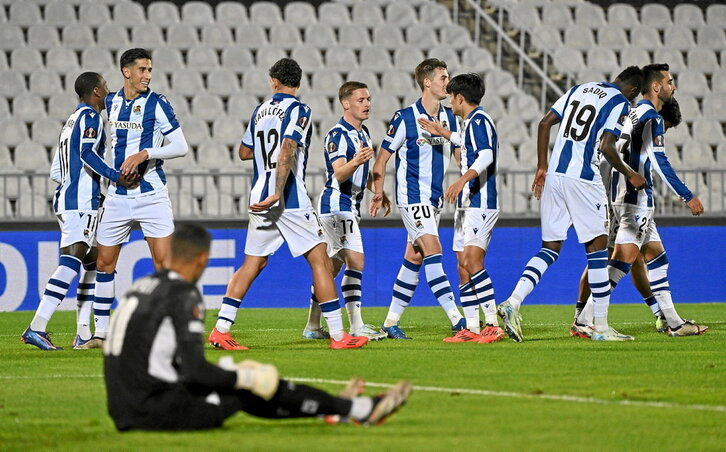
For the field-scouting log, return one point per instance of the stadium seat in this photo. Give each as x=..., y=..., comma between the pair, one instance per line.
x=197, y=13
x=300, y=14
x=94, y=14
x=579, y=37
x=396, y=82
x=655, y=15
x=283, y=36
x=679, y=37
x=162, y=13
x=59, y=13
x=113, y=36
x=3, y=62
x=711, y=37
x=230, y=13
x=307, y=57
x=147, y=35
x=678, y=135
x=26, y=60
x=207, y=106
x=11, y=83
x=421, y=36
x=477, y=59
x=43, y=36
x=588, y=75
x=524, y=16
x=334, y=14
x=323, y=80
x=217, y=36
x=222, y=82
x=377, y=129
x=355, y=36
x=220, y=205
x=14, y=131
x=229, y=129
x=645, y=37
x=688, y=15
x=128, y=14
x=251, y=36
x=557, y=14
x=31, y=156
x=506, y=158
x=320, y=36
x=6, y=165
x=367, y=13
x=376, y=59
x=383, y=108
x=186, y=82
x=525, y=106
x=590, y=14
x=4, y=111
x=45, y=131
x=213, y=155
x=388, y=37
x=612, y=37
x=697, y=155
x=602, y=59
x=11, y=37
x=401, y=13
x=33, y=206
x=503, y=81
x=708, y=131
x=96, y=59
x=24, y=14
x=494, y=105
x=448, y=54
x=77, y=36
x=256, y=82
x=622, y=15
x=702, y=59
x=340, y=59
x=237, y=58
x=267, y=56
x=456, y=36
x=633, y=56
x=716, y=14
x=689, y=106
x=45, y=83
x=512, y=127
x=367, y=77
x=195, y=129
x=202, y=58
x=318, y=103
x=408, y=58
x=546, y=37
x=714, y=107
x=184, y=204
x=61, y=105
x=28, y=107
x=672, y=56
x=181, y=36
x=167, y=59
x=265, y=13
x=435, y=14
x=568, y=60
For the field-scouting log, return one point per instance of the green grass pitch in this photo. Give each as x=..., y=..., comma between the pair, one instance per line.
x=551, y=392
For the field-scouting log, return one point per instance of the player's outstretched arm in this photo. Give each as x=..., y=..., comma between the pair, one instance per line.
x=285, y=162
x=607, y=147
x=378, y=177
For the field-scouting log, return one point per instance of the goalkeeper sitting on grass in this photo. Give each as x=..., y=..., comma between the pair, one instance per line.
x=158, y=379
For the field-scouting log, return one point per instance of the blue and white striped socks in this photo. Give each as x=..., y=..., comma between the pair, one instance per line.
x=333, y=317
x=484, y=290
x=470, y=305
x=105, y=291
x=227, y=314
x=403, y=290
x=599, y=280
x=658, y=276
x=86, y=294
x=352, y=291
x=439, y=284
x=531, y=275
x=55, y=291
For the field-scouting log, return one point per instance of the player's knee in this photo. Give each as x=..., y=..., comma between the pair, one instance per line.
x=77, y=250
x=471, y=265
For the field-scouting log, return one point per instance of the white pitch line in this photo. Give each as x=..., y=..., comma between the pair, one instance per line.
x=480, y=392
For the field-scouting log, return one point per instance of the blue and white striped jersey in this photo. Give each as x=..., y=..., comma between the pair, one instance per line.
x=479, y=135
x=343, y=141
x=135, y=125
x=585, y=112
x=421, y=158
x=283, y=116
x=642, y=145
x=78, y=162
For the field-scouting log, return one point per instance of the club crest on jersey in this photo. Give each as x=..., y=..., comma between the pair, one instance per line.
x=332, y=147
x=89, y=133
x=419, y=225
x=137, y=109
x=445, y=124
x=320, y=232
x=343, y=239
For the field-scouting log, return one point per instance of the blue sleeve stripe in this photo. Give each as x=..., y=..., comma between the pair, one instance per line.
x=559, y=116
x=670, y=177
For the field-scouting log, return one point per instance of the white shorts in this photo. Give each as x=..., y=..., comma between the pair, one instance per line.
x=153, y=213
x=420, y=219
x=78, y=227
x=635, y=225
x=570, y=202
x=342, y=232
x=266, y=232
x=473, y=227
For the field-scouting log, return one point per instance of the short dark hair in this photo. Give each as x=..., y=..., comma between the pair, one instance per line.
x=347, y=88
x=287, y=71
x=86, y=82
x=189, y=241
x=671, y=112
x=426, y=69
x=470, y=85
x=653, y=73
x=130, y=56
x=631, y=75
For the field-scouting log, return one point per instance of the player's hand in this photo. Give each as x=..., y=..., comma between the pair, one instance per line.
x=376, y=203
x=637, y=180
x=363, y=155
x=133, y=161
x=452, y=193
x=696, y=207
x=387, y=206
x=538, y=183
x=265, y=204
x=130, y=181
x=433, y=127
